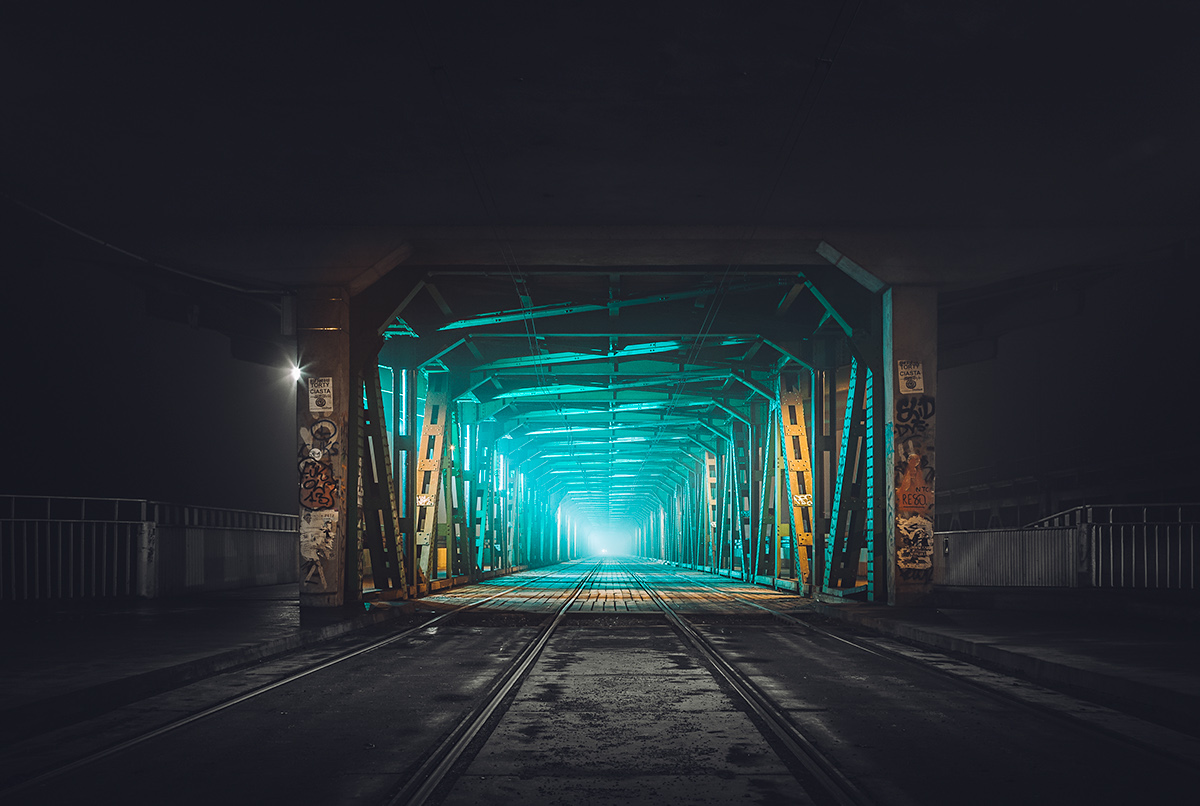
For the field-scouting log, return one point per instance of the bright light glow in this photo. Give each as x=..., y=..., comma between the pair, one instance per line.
x=295, y=373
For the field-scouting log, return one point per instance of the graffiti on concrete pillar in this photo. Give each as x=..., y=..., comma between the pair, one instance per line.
x=318, y=488
x=914, y=478
x=914, y=547
x=318, y=483
x=318, y=536
x=913, y=416
x=320, y=500
x=914, y=485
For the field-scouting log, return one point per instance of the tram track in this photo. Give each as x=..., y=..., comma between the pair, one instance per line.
x=437, y=774
x=440, y=761
x=819, y=777
x=820, y=770
x=618, y=682
x=1114, y=725
x=259, y=691
x=822, y=778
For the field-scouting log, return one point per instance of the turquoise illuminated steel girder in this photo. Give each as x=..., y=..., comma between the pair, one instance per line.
x=651, y=408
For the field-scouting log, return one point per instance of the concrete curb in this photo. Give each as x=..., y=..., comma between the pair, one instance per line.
x=39, y=716
x=1164, y=705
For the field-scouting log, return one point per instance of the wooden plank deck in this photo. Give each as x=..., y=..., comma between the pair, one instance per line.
x=614, y=589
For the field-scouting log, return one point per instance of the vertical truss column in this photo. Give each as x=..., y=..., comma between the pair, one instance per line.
x=711, y=513
x=852, y=513
x=481, y=503
x=381, y=515
x=431, y=449
x=542, y=513
x=460, y=559
x=753, y=493
x=500, y=558
x=798, y=453
x=741, y=500
x=509, y=538
x=785, y=548
x=724, y=542
x=693, y=507
x=557, y=555
x=664, y=520
x=408, y=494
x=825, y=354
x=761, y=466
x=520, y=527
x=682, y=540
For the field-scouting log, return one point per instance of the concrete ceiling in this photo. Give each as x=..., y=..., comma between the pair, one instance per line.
x=948, y=142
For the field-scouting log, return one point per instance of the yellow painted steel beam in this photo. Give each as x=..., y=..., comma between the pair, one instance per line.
x=797, y=450
x=429, y=471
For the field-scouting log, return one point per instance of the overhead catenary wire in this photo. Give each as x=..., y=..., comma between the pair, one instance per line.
x=200, y=278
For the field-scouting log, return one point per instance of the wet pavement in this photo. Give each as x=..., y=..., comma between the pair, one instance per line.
x=93, y=656
x=616, y=709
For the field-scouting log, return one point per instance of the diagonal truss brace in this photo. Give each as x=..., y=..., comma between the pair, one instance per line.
x=381, y=515
x=851, y=509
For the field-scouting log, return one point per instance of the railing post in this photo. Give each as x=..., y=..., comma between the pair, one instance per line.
x=147, y=560
x=1085, y=556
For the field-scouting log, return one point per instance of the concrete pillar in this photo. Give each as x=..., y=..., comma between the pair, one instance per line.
x=323, y=408
x=910, y=462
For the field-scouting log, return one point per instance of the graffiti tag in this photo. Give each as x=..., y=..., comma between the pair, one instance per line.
x=318, y=488
x=914, y=492
x=913, y=415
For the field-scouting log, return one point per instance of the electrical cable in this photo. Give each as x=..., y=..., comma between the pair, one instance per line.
x=153, y=263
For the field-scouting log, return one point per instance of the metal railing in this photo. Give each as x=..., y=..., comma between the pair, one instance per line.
x=1136, y=546
x=44, y=559
x=56, y=547
x=1140, y=545
x=1007, y=557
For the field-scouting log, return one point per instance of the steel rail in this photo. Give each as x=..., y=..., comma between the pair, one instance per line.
x=438, y=764
x=998, y=694
x=832, y=780
x=241, y=698
x=781, y=616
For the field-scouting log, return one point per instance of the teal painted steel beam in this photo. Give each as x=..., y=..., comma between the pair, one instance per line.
x=630, y=351
x=752, y=385
x=666, y=379
x=547, y=311
x=830, y=310
x=856, y=272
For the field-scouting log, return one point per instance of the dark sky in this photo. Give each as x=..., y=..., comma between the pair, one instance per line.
x=957, y=114
x=945, y=137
